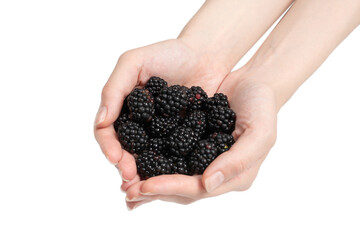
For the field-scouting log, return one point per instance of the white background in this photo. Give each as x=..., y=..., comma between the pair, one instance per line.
x=55, y=56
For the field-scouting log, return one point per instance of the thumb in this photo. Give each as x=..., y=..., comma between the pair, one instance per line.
x=249, y=148
x=121, y=82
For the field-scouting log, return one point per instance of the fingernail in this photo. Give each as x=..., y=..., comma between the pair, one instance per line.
x=147, y=193
x=121, y=175
x=101, y=114
x=135, y=199
x=214, y=181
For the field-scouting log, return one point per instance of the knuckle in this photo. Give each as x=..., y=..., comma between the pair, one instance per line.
x=243, y=184
x=246, y=187
x=129, y=54
x=106, y=91
x=241, y=165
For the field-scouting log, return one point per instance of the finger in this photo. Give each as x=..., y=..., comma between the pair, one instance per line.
x=187, y=187
x=133, y=194
x=125, y=185
x=127, y=167
x=250, y=147
x=109, y=144
x=133, y=205
x=121, y=82
x=180, y=185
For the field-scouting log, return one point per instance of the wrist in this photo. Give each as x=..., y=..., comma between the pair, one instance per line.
x=249, y=76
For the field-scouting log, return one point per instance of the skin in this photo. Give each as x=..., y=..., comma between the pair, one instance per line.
x=298, y=45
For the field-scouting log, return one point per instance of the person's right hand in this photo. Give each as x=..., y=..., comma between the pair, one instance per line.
x=172, y=60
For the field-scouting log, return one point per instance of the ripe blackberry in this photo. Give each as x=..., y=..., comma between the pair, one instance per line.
x=132, y=137
x=179, y=165
x=161, y=126
x=123, y=116
x=204, y=153
x=157, y=145
x=141, y=105
x=181, y=141
x=221, y=119
x=219, y=99
x=197, y=98
x=222, y=141
x=155, y=84
x=150, y=164
x=172, y=100
x=197, y=122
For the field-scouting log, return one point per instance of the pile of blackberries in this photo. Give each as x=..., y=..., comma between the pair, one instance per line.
x=174, y=129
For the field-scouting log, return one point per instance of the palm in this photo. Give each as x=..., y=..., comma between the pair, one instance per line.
x=178, y=64
x=254, y=104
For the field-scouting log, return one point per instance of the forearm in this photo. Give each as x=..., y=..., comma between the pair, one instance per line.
x=301, y=42
x=226, y=30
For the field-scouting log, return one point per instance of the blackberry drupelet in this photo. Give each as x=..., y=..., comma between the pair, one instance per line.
x=222, y=141
x=132, y=137
x=179, y=165
x=141, y=105
x=221, y=119
x=219, y=99
x=161, y=126
x=197, y=122
x=150, y=164
x=172, y=101
x=181, y=142
x=157, y=145
x=204, y=153
x=197, y=98
x=123, y=118
x=155, y=84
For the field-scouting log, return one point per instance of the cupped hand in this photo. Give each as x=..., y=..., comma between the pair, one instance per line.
x=235, y=170
x=173, y=60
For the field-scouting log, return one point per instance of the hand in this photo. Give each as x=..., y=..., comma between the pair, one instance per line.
x=173, y=60
x=234, y=170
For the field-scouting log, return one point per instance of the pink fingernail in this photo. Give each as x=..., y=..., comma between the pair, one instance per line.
x=101, y=115
x=214, y=181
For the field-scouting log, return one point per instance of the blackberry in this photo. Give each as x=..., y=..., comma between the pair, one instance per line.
x=161, y=126
x=157, y=145
x=132, y=137
x=197, y=122
x=197, y=98
x=150, y=164
x=219, y=99
x=204, y=153
x=221, y=119
x=172, y=101
x=141, y=105
x=181, y=141
x=123, y=116
x=179, y=165
x=223, y=141
x=155, y=84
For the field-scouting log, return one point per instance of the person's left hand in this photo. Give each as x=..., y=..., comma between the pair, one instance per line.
x=234, y=170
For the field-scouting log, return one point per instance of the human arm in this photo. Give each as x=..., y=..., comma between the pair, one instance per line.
x=293, y=51
x=192, y=59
